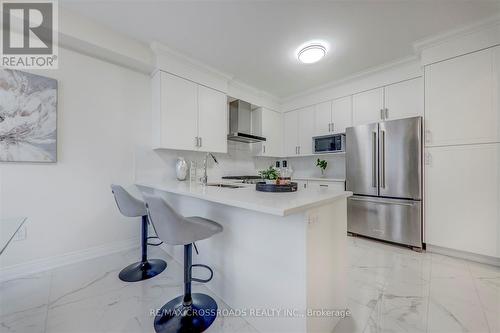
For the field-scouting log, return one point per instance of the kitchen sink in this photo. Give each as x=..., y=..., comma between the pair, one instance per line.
x=225, y=185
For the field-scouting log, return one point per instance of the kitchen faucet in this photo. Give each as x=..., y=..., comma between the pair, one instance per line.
x=204, y=179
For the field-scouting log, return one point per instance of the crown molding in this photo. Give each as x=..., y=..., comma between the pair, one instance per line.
x=263, y=98
x=163, y=50
x=353, y=77
x=473, y=28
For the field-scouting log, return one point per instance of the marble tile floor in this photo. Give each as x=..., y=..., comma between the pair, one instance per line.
x=390, y=289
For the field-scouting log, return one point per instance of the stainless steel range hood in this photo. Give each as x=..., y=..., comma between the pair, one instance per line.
x=240, y=123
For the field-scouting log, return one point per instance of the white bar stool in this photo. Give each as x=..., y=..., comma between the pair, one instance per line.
x=132, y=207
x=190, y=312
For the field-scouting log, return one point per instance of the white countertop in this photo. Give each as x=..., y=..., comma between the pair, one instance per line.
x=320, y=179
x=247, y=197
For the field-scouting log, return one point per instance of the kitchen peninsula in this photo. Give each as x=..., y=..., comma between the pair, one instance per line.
x=280, y=253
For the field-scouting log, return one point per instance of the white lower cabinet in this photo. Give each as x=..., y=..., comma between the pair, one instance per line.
x=462, y=200
x=315, y=184
x=301, y=184
x=332, y=185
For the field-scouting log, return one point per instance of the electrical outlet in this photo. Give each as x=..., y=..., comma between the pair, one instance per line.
x=21, y=234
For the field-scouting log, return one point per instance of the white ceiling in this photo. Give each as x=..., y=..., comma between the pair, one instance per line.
x=255, y=41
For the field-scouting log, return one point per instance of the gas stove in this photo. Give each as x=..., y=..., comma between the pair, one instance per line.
x=244, y=179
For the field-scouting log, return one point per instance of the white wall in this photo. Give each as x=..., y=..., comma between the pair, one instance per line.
x=160, y=164
x=103, y=116
x=305, y=166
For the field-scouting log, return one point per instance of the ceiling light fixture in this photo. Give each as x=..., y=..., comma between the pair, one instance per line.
x=311, y=53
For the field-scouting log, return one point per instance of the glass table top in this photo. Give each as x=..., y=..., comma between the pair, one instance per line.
x=8, y=228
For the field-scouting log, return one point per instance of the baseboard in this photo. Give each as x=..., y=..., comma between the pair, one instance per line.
x=463, y=255
x=37, y=266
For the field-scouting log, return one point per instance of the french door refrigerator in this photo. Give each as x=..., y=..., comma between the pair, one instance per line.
x=384, y=171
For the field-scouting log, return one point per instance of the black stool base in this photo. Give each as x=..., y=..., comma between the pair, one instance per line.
x=174, y=318
x=142, y=271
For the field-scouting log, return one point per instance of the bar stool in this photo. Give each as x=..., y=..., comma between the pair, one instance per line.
x=190, y=312
x=132, y=207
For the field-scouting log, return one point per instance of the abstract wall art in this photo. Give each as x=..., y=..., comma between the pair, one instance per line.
x=28, y=117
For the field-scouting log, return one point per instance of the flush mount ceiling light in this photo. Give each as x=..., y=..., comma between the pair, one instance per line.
x=311, y=53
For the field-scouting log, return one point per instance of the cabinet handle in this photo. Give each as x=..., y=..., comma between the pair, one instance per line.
x=201, y=142
x=333, y=127
x=196, y=141
x=382, y=114
x=386, y=113
x=428, y=136
x=264, y=149
x=299, y=149
x=323, y=185
x=329, y=127
x=428, y=159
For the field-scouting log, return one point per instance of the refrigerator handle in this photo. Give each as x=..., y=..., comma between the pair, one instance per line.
x=382, y=159
x=386, y=202
x=374, y=159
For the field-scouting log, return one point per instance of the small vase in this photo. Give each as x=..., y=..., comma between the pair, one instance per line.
x=181, y=168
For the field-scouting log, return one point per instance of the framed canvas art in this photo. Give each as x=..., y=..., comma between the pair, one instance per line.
x=28, y=117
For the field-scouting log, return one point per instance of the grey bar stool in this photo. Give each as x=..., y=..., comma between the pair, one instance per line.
x=190, y=312
x=132, y=207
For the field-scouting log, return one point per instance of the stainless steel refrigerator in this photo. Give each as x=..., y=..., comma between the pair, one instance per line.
x=384, y=171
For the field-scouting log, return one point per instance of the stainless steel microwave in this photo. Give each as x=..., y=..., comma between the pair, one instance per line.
x=329, y=143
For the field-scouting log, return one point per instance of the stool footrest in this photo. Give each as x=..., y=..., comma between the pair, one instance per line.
x=155, y=238
x=202, y=280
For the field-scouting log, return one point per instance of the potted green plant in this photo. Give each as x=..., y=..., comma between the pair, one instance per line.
x=270, y=175
x=322, y=164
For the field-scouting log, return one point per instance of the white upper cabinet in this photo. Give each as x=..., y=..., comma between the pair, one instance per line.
x=306, y=130
x=461, y=103
x=462, y=198
x=323, y=118
x=188, y=116
x=176, y=116
x=298, y=128
x=333, y=116
x=367, y=107
x=404, y=99
x=341, y=114
x=399, y=100
x=291, y=133
x=212, y=120
x=269, y=124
